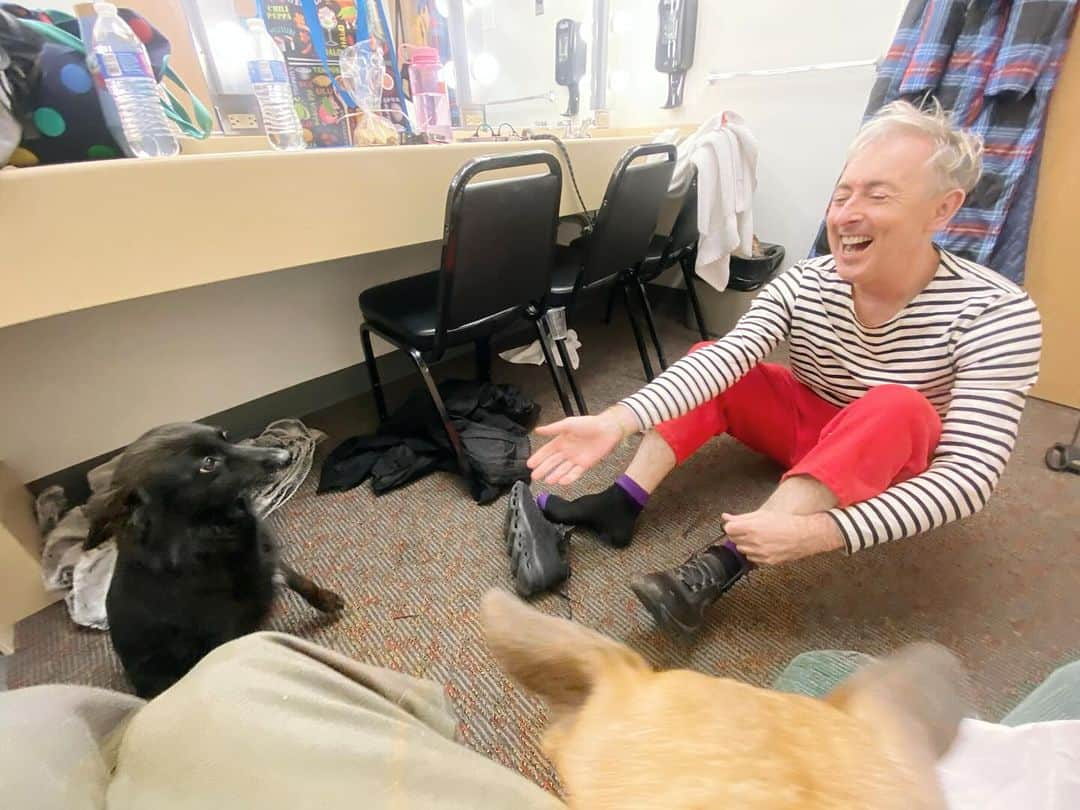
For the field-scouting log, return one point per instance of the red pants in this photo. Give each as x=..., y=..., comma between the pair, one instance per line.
x=858, y=451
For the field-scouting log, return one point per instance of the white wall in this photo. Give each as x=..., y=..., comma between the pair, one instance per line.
x=803, y=122
x=78, y=385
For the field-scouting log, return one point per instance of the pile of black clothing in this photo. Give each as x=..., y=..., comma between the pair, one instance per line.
x=492, y=420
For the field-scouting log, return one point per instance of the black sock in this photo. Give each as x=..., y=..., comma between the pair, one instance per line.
x=611, y=513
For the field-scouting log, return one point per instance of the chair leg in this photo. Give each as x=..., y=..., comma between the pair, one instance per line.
x=550, y=360
x=373, y=373
x=642, y=351
x=687, y=263
x=651, y=323
x=564, y=355
x=483, y=359
x=610, y=310
x=440, y=406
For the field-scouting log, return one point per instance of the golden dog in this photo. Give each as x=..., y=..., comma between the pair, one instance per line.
x=624, y=736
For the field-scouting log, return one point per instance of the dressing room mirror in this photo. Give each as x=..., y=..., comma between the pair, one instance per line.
x=509, y=46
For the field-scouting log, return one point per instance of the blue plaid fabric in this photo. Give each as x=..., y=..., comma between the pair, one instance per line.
x=993, y=64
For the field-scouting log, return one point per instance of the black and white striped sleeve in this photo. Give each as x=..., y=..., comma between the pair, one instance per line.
x=997, y=362
x=706, y=373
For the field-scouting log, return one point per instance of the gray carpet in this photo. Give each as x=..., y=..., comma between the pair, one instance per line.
x=1001, y=589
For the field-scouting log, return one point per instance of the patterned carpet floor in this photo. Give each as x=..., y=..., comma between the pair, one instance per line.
x=1002, y=589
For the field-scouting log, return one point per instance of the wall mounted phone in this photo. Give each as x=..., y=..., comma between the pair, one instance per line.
x=675, y=45
x=569, y=61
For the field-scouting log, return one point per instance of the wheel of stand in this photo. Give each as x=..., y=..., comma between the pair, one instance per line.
x=1055, y=458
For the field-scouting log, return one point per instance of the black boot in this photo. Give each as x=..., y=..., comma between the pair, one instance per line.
x=679, y=597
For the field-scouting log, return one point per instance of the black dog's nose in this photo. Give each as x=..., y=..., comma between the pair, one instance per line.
x=278, y=458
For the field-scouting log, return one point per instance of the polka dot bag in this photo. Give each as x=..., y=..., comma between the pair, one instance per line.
x=63, y=122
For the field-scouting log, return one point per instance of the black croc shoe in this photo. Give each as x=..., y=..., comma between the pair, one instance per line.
x=537, y=547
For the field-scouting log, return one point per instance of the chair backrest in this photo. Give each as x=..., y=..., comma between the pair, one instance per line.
x=498, y=240
x=627, y=217
x=684, y=233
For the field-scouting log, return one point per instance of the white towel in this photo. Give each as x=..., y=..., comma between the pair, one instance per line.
x=724, y=152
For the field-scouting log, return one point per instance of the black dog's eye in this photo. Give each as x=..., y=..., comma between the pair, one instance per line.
x=209, y=464
x=223, y=435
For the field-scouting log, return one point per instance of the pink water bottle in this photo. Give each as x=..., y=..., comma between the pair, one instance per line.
x=430, y=101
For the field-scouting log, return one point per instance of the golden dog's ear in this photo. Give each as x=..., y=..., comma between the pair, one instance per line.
x=918, y=694
x=557, y=659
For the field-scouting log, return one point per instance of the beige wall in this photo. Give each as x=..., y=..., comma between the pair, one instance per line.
x=81, y=384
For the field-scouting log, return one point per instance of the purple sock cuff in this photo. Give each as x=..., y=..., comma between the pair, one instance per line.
x=633, y=489
x=541, y=500
x=730, y=544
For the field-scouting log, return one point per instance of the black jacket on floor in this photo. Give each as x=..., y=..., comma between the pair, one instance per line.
x=492, y=420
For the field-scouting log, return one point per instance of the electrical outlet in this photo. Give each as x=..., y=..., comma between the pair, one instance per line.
x=243, y=121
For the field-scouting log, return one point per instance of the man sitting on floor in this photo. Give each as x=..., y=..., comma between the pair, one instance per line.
x=909, y=371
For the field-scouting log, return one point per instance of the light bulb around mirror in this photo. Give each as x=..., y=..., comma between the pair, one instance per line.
x=448, y=75
x=232, y=49
x=484, y=68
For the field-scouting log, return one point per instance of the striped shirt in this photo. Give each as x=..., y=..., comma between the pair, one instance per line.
x=969, y=342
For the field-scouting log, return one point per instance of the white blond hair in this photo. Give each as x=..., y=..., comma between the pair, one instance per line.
x=957, y=158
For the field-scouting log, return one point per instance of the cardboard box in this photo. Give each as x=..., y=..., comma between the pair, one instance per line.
x=21, y=589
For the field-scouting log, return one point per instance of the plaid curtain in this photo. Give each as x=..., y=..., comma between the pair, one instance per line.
x=993, y=65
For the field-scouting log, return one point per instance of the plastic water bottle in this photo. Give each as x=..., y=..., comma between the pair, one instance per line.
x=120, y=58
x=270, y=81
x=430, y=100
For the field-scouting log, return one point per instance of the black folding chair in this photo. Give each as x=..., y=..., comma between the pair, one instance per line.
x=678, y=247
x=497, y=259
x=619, y=239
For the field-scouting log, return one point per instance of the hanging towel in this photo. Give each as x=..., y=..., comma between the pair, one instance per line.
x=724, y=152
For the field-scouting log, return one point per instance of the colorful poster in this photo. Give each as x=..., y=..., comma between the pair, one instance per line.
x=286, y=24
x=320, y=110
x=311, y=31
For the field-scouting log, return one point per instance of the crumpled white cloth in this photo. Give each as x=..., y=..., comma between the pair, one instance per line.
x=86, y=573
x=1030, y=767
x=534, y=355
x=724, y=152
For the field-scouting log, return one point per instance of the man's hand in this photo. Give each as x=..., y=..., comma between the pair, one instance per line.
x=579, y=443
x=770, y=538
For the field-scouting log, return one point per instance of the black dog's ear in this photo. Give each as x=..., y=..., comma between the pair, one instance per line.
x=108, y=511
x=105, y=511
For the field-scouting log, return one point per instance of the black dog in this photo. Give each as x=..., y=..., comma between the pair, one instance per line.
x=195, y=566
